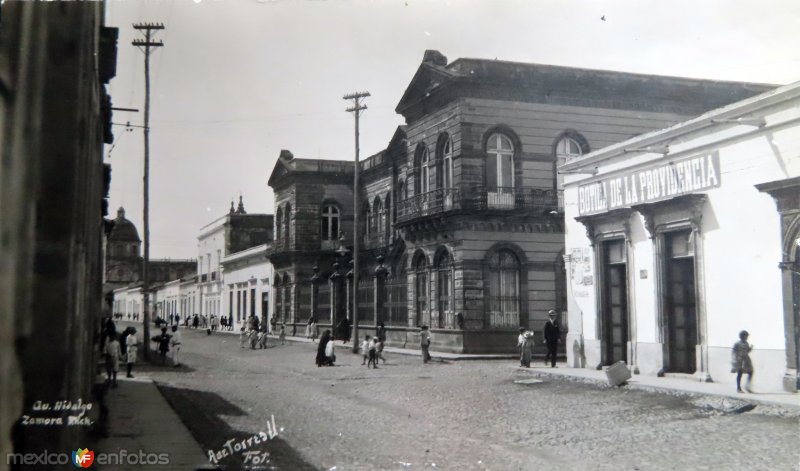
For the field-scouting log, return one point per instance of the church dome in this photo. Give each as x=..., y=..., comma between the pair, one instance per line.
x=123, y=230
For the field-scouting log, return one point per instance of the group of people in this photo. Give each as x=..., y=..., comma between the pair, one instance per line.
x=552, y=337
x=111, y=345
x=167, y=341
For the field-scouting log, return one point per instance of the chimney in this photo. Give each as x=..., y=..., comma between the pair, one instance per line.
x=286, y=155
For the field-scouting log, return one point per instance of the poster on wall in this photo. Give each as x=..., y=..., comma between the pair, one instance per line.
x=580, y=271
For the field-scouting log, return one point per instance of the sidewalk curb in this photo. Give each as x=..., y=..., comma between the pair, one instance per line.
x=791, y=409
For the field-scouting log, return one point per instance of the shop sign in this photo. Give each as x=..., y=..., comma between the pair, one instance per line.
x=649, y=184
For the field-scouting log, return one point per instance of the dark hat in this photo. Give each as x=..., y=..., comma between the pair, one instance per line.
x=522, y=329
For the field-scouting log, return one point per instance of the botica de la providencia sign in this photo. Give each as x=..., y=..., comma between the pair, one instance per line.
x=650, y=183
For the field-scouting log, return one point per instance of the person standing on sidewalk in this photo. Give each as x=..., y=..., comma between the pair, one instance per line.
x=131, y=345
x=425, y=343
x=741, y=363
x=552, y=335
x=175, y=341
x=520, y=341
x=113, y=354
x=314, y=329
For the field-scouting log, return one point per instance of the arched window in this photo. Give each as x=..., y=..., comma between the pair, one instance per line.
x=401, y=190
x=499, y=162
x=278, y=224
x=367, y=223
x=421, y=289
x=444, y=162
x=287, y=298
x=568, y=146
x=287, y=221
x=421, y=175
x=503, y=285
x=388, y=211
x=279, y=299
x=444, y=289
x=329, y=222
x=379, y=223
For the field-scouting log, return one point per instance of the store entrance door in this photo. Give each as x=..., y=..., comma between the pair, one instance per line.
x=681, y=313
x=615, y=304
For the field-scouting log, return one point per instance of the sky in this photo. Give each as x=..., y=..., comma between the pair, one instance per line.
x=239, y=80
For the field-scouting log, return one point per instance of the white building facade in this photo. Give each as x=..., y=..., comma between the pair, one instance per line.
x=128, y=303
x=247, y=278
x=210, y=251
x=678, y=239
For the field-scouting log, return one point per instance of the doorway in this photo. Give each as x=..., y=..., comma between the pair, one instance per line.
x=615, y=303
x=680, y=303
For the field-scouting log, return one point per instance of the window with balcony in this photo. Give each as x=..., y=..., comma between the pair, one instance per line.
x=278, y=224
x=329, y=223
x=502, y=284
x=421, y=175
x=500, y=171
x=379, y=223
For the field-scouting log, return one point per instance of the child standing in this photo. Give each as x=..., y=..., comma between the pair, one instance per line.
x=262, y=338
x=282, y=334
x=365, y=351
x=741, y=363
x=379, y=350
x=243, y=337
x=113, y=354
x=373, y=353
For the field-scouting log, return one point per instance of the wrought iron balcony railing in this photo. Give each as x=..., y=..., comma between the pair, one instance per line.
x=480, y=198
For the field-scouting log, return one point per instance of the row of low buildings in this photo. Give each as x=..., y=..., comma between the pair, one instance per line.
x=639, y=207
x=230, y=278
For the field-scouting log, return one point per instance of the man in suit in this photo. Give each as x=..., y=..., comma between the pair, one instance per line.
x=552, y=335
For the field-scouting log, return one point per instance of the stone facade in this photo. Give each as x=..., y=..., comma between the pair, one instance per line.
x=465, y=204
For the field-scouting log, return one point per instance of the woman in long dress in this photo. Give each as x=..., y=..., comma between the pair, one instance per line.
x=527, y=349
x=322, y=350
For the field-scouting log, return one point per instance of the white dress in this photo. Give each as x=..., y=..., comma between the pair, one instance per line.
x=131, y=344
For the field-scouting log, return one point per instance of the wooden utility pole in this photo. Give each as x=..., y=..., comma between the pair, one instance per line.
x=357, y=108
x=148, y=46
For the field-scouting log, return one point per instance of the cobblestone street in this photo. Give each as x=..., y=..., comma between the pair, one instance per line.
x=460, y=415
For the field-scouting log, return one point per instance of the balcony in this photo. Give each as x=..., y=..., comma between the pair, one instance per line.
x=480, y=198
x=377, y=239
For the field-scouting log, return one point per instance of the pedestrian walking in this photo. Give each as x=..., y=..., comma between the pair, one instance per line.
x=195, y=321
x=741, y=363
x=325, y=354
x=282, y=334
x=205, y=321
x=520, y=341
x=552, y=335
x=113, y=353
x=175, y=343
x=379, y=351
x=131, y=346
x=224, y=322
x=425, y=343
x=177, y=319
x=262, y=338
x=230, y=322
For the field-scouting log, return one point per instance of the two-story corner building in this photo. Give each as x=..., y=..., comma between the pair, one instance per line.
x=233, y=232
x=679, y=239
x=465, y=203
x=313, y=210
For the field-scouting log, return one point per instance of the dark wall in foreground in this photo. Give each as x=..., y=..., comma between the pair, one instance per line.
x=55, y=59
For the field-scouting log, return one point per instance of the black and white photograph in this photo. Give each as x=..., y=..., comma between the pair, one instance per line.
x=567, y=233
